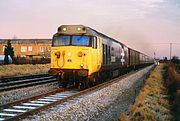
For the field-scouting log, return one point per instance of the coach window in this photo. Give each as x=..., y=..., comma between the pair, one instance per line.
x=104, y=54
x=126, y=56
x=108, y=55
x=94, y=42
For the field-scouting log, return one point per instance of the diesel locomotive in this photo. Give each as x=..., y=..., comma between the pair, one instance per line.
x=83, y=56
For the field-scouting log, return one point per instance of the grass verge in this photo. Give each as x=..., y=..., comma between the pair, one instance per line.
x=22, y=70
x=152, y=103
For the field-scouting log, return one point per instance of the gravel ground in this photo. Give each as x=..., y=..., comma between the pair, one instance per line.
x=18, y=94
x=103, y=105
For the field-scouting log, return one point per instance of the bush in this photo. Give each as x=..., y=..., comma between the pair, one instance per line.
x=173, y=84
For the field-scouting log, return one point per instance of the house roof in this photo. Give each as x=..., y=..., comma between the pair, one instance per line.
x=26, y=41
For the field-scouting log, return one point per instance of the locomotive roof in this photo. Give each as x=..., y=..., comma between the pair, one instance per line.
x=81, y=29
x=26, y=41
x=104, y=36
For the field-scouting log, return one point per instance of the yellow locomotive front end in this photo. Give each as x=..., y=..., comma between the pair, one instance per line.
x=75, y=55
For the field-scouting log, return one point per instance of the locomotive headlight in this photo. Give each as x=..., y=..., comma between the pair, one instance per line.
x=81, y=65
x=69, y=54
x=80, y=54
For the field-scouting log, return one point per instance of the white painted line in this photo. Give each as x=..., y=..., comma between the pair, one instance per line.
x=1, y=119
x=69, y=94
x=55, y=98
x=51, y=100
x=32, y=104
x=24, y=107
x=62, y=96
x=49, y=97
x=41, y=102
x=14, y=110
x=7, y=114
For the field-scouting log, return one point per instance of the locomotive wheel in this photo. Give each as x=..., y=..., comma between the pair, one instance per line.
x=75, y=84
x=61, y=82
x=84, y=83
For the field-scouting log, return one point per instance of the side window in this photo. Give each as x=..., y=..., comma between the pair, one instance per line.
x=112, y=51
x=98, y=43
x=104, y=54
x=108, y=55
x=94, y=42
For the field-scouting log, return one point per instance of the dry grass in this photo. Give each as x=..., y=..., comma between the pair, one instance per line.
x=19, y=70
x=152, y=103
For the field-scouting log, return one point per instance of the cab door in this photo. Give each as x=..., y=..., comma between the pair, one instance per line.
x=99, y=53
x=96, y=54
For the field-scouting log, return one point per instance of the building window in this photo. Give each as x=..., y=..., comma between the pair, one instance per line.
x=49, y=49
x=29, y=48
x=23, y=49
x=41, y=49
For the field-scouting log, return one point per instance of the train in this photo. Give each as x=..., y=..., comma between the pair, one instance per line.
x=83, y=57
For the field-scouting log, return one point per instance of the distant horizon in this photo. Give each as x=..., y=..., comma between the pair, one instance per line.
x=142, y=25
x=123, y=43
x=24, y=38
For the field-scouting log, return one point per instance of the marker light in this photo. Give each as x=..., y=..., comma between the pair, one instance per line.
x=79, y=29
x=81, y=65
x=64, y=29
x=69, y=54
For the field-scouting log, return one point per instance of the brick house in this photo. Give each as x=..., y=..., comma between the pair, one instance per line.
x=28, y=48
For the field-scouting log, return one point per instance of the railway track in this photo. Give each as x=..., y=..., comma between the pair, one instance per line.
x=20, y=109
x=25, y=81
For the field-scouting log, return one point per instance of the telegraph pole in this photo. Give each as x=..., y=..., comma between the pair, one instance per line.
x=170, y=50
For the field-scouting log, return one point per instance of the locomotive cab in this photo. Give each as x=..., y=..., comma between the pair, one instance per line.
x=75, y=55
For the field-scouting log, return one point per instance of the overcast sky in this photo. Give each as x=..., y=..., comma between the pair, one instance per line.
x=145, y=25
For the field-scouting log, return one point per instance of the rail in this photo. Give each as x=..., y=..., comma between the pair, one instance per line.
x=24, y=81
